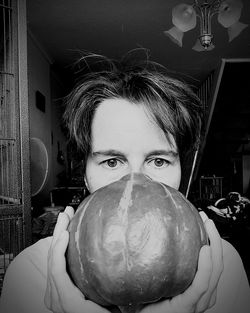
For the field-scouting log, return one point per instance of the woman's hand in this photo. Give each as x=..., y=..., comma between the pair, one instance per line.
x=201, y=295
x=62, y=296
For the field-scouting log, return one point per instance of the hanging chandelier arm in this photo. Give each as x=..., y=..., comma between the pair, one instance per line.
x=212, y=7
x=215, y=6
x=205, y=11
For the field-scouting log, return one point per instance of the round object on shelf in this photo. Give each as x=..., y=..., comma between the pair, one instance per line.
x=38, y=165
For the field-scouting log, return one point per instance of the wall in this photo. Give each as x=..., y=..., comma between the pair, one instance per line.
x=246, y=173
x=59, y=148
x=44, y=125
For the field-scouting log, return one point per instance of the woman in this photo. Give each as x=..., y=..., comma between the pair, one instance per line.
x=125, y=120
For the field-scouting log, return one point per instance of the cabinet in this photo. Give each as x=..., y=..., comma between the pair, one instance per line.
x=211, y=187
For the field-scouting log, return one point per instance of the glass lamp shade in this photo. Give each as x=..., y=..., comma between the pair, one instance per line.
x=235, y=29
x=175, y=35
x=229, y=15
x=229, y=12
x=184, y=19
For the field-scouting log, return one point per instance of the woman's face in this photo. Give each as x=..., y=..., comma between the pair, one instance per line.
x=124, y=140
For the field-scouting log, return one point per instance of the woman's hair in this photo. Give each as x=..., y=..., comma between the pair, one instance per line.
x=173, y=105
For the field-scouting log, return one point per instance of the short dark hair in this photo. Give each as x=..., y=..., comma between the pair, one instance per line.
x=173, y=105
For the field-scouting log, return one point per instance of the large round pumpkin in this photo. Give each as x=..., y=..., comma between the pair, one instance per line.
x=134, y=241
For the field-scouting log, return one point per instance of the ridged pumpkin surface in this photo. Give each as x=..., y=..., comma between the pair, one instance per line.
x=134, y=241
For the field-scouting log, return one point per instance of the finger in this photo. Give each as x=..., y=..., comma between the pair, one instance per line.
x=207, y=301
x=55, y=300
x=209, y=298
x=69, y=296
x=201, y=280
x=48, y=292
x=70, y=211
x=51, y=299
x=47, y=297
x=58, y=263
x=216, y=249
x=57, y=272
x=213, y=299
x=204, y=216
x=158, y=307
x=61, y=225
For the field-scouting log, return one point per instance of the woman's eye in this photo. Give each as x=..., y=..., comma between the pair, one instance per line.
x=111, y=163
x=158, y=162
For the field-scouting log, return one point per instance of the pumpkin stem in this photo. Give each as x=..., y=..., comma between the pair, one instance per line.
x=132, y=308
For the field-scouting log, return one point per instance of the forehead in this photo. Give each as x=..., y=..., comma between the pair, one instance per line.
x=119, y=123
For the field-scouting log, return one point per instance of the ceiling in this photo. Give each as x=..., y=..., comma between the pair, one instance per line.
x=113, y=27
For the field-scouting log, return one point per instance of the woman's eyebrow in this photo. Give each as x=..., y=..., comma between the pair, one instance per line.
x=170, y=153
x=157, y=152
x=109, y=152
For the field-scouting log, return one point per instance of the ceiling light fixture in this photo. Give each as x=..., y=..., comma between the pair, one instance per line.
x=184, y=18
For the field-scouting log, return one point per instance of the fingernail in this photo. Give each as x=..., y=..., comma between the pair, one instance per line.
x=60, y=215
x=203, y=216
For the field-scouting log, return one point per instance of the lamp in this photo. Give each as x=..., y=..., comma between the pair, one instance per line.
x=184, y=18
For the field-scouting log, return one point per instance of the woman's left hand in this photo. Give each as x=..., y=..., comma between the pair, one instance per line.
x=201, y=295
x=61, y=295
